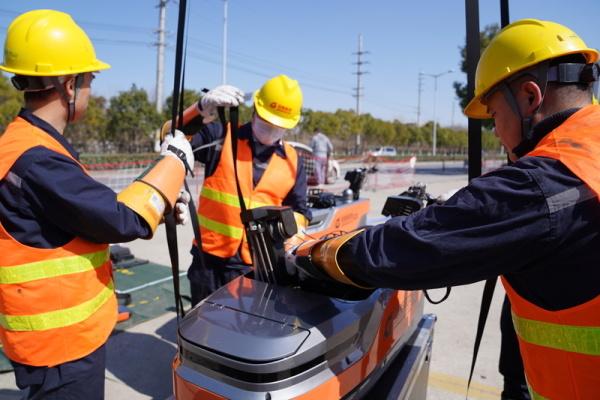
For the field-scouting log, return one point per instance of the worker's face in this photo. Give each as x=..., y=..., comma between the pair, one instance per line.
x=265, y=132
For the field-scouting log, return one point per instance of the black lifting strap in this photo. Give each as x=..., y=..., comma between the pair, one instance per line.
x=444, y=297
x=234, y=124
x=486, y=301
x=170, y=223
x=472, y=13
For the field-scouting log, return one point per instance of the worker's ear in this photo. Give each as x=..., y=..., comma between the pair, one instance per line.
x=530, y=96
x=69, y=86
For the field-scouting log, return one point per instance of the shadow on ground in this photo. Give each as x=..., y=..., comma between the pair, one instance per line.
x=142, y=361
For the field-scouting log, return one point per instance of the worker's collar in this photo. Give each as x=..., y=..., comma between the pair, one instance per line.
x=258, y=148
x=49, y=129
x=541, y=129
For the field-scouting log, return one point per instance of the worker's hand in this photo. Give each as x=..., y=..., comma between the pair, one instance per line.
x=178, y=146
x=442, y=198
x=221, y=96
x=298, y=259
x=182, y=211
x=318, y=259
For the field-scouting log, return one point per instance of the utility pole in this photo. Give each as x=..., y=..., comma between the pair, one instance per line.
x=160, y=64
x=358, y=89
x=224, y=63
x=434, y=133
x=420, y=89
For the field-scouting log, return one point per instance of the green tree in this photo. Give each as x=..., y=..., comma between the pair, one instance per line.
x=132, y=121
x=189, y=97
x=485, y=37
x=11, y=100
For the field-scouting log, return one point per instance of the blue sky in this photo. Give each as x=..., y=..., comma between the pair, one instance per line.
x=310, y=40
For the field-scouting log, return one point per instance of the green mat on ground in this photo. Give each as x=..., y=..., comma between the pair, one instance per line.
x=151, y=288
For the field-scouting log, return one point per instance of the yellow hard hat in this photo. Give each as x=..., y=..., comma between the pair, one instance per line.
x=279, y=101
x=520, y=45
x=48, y=43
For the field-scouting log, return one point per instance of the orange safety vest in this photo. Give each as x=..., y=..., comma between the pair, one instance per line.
x=561, y=349
x=56, y=305
x=219, y=208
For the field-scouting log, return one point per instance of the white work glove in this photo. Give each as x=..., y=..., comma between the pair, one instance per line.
x=442, y=198
x=221, y=96
x=178, y=146
x=182, y=211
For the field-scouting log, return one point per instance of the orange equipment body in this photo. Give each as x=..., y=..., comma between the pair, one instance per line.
x=341, y=219
x=560, y=348
x=401, y=310
x=219, y=210
x=56, y=305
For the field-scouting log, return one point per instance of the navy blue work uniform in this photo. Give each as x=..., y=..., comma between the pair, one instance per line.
x=530, y=221
x=533, y=221
x=49, y=201
x=216, y=271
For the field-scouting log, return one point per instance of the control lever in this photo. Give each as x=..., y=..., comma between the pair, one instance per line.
x=407, y=202
x=267, y=228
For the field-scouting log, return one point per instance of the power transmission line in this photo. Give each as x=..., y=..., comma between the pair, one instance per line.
x=160, y=59
x=358, y=89
x=420, y=89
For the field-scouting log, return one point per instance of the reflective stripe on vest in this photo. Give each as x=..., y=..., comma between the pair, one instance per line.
x=229, y=199
x=575, y=339
x=223, y=229
x=58, y=318
x=52, y=268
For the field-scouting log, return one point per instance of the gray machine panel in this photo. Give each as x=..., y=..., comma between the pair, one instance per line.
x=226, y=331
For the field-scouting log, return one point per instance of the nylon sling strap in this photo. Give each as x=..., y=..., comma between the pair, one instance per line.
x=486, y=301
x=191, y=204
x=170, y=223
x=472, y=9
x=234, y=123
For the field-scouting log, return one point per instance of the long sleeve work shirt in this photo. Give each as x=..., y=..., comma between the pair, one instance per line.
x=534, y=222
x=50, y=200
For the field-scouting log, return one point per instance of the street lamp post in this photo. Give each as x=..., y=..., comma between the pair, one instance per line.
x=434, y=133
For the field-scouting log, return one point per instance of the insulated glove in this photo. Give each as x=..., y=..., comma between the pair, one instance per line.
x=221, y=96
x=178, y=146
x=318, y=258
x=158, y=188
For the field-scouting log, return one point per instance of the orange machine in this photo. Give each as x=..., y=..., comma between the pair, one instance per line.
x=278, y=334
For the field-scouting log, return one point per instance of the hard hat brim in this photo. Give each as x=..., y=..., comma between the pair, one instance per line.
x=476, y=109
x=96, y=66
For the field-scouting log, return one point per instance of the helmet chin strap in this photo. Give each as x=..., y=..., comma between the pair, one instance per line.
x=541, y=75
x=61, y=90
